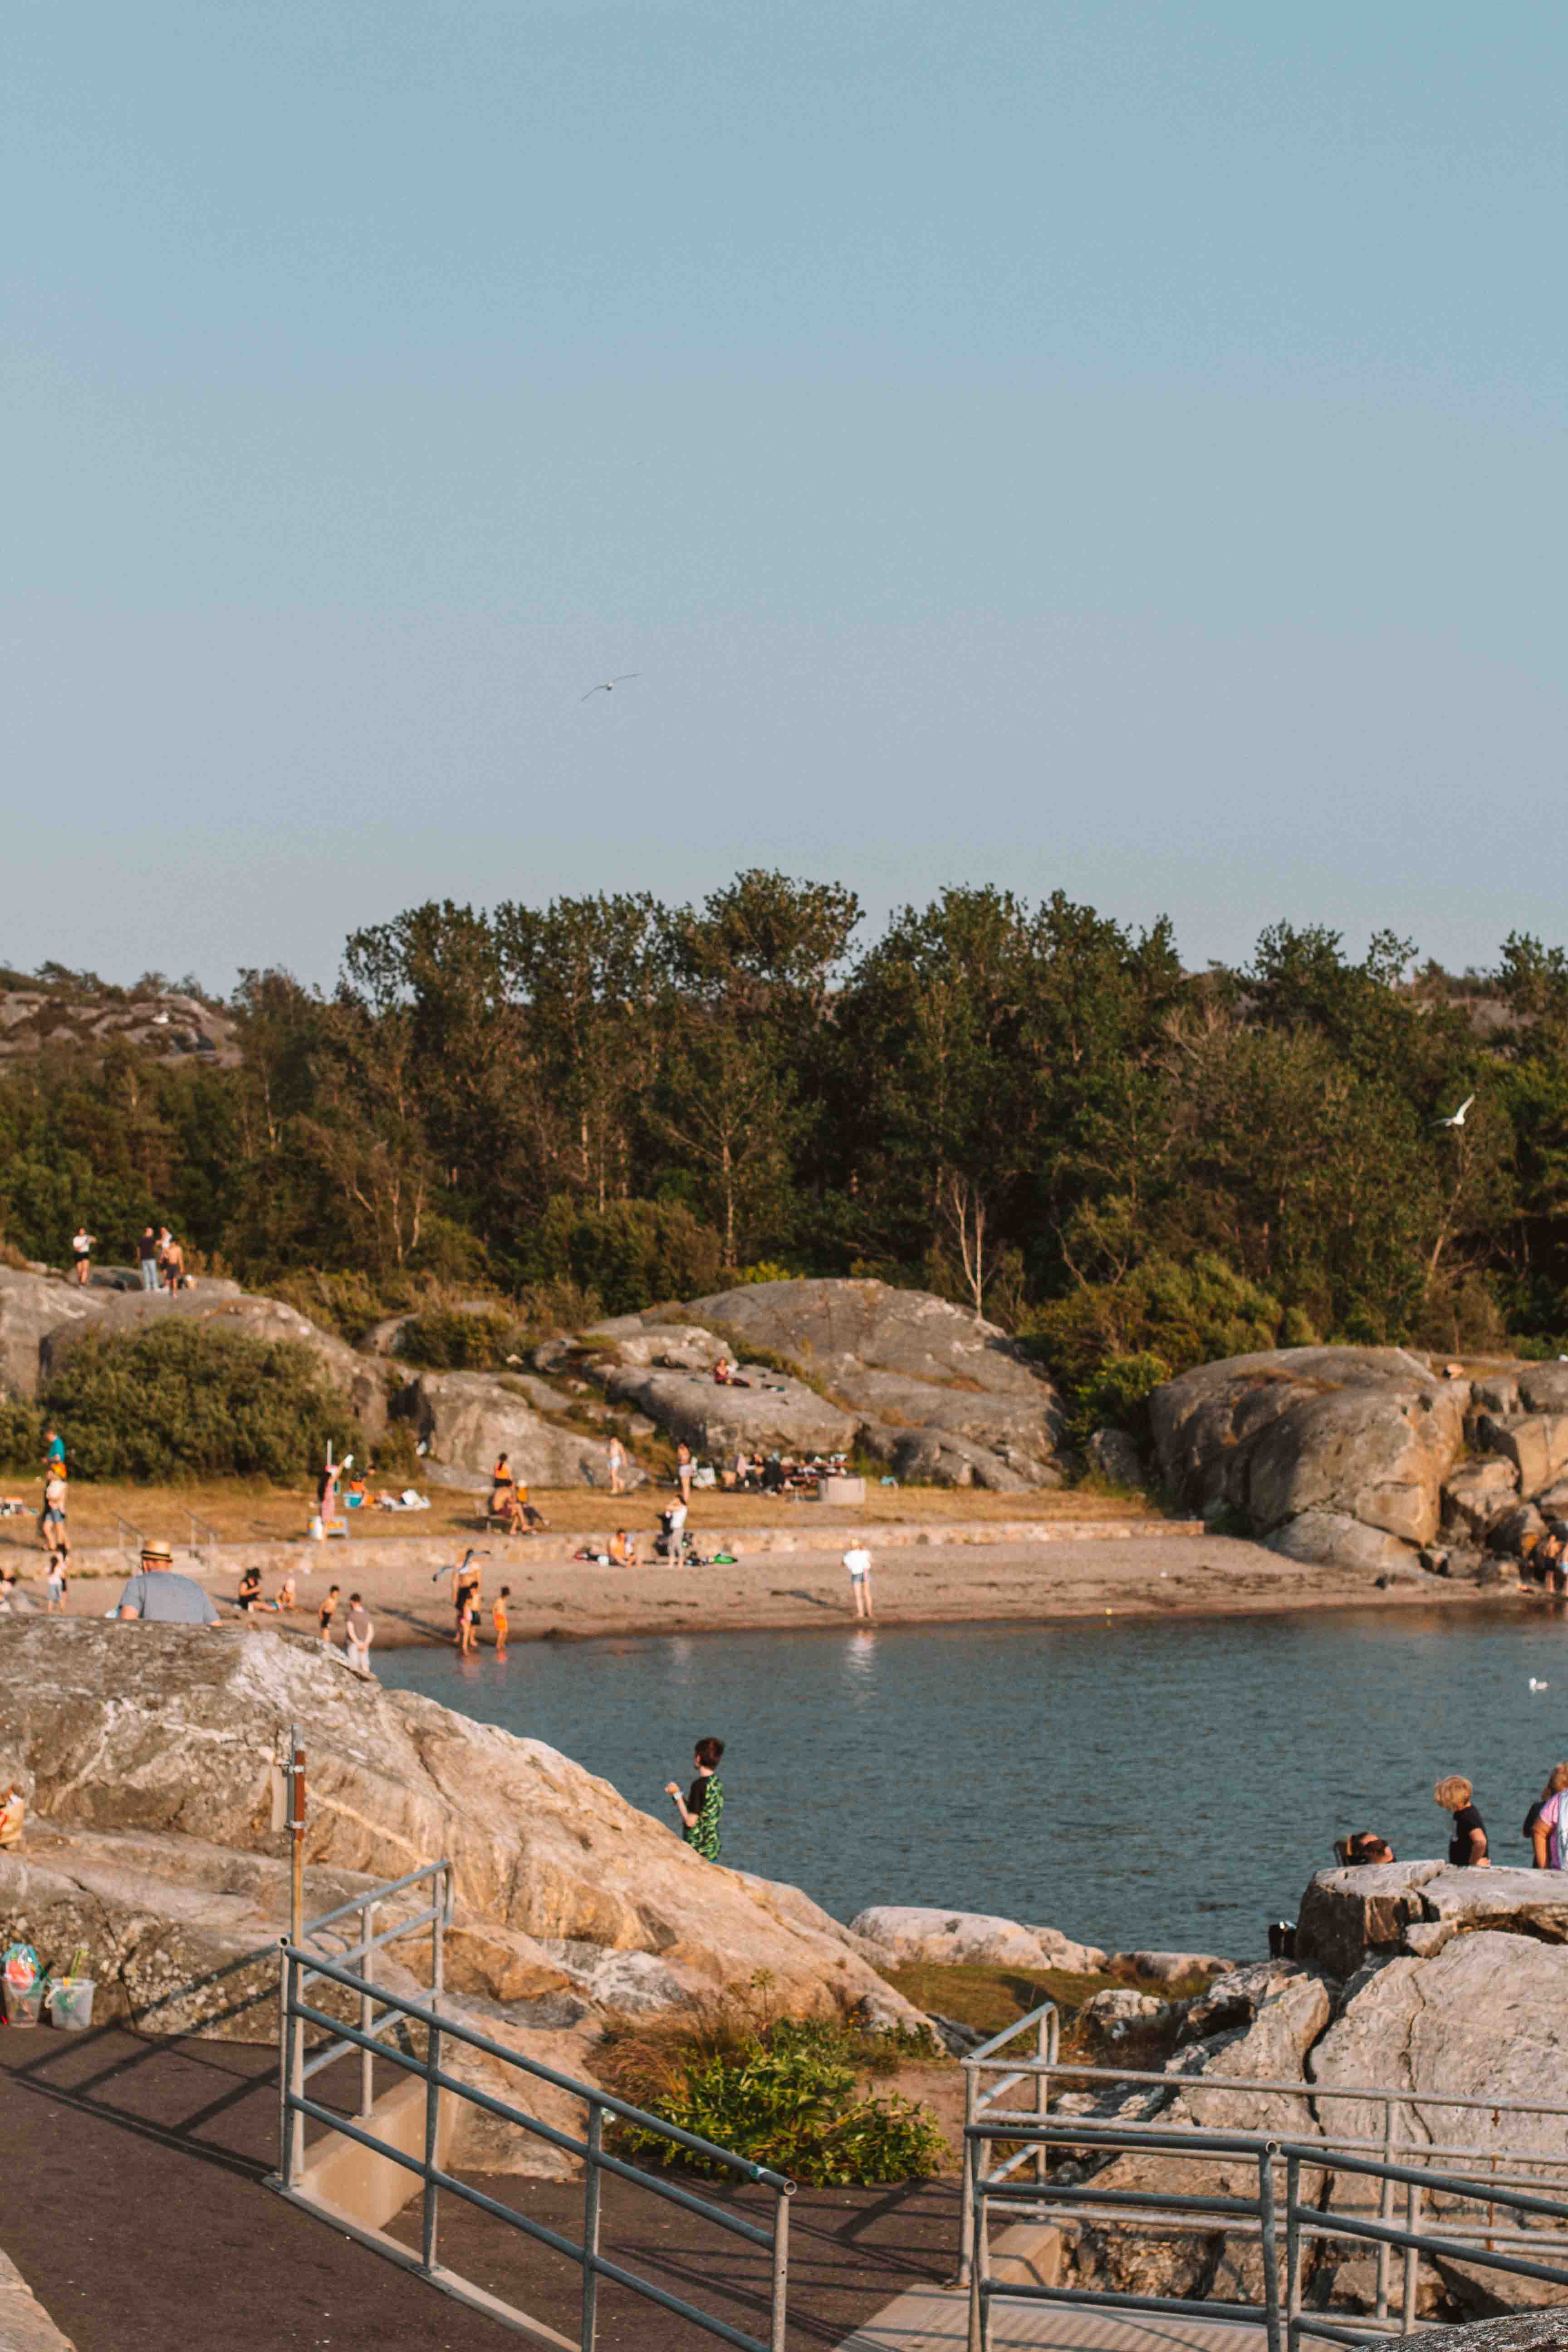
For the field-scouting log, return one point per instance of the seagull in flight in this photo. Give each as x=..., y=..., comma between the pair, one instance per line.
x=609, y=685
x=1458, y=1117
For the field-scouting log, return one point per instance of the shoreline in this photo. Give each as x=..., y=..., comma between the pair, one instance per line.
x=929, y=1584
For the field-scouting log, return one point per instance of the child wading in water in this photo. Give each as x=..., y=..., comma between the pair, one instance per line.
x=498, y=1618
x=704, y=1802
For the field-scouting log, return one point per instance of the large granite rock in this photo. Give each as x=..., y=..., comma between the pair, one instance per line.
x=906, y=1933
x=1349, y=1917
x=943, y=1400
x=775, y=1414
x=223, y=1306
x=1328, y=1452
x=467, y=1419
x=31, y=1307
x=175, y=1731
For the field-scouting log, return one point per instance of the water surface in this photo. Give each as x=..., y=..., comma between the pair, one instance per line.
x=1139, y=1782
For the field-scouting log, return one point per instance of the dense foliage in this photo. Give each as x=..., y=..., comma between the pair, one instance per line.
x=179, y=1401
x=1031, y=1108
x=784, y=2090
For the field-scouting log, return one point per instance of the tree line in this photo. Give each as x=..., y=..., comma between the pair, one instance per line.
x=1031, y=1108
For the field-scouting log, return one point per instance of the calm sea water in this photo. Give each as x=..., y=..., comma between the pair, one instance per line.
x=1134, y=1783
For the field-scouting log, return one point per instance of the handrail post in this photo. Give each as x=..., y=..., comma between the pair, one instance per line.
x=285, y=2056
x=1270, y=2246
x=1042, y=2093
x=366, y=2011
x=979, y=2261
x=1292, y=2252
x=294, y=2153
x=778, y=2318
x=1412, y=2259
x=432, y=2146
x=1391, y=2108
x=967, y=2207
x=590, y=2224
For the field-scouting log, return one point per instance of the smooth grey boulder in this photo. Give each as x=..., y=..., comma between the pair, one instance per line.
x=465, y=1420
x=1349, y=1917
x=775, y=1414
x=1116, y=1457
x=31, y=1307
x=1309, y=1442
x=1538, y=1449
x=223, y=1306
x=914, y=1932
x=940, y=1457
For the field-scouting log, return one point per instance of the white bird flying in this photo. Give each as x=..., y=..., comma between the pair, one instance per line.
x=1458, y=1117
x=609, y=685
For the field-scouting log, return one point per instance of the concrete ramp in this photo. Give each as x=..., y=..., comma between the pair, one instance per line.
x=936, y=2319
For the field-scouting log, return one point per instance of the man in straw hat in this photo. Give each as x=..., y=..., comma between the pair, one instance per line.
x=160, y=1597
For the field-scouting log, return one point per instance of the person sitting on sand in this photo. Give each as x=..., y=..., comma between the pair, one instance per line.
x=622, y=1550
x=1467, y=1848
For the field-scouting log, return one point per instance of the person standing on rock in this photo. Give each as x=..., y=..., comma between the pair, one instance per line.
x=82, y=1245
x=1467, y=1848
x=858, y=1560
x=325, y=1614
x=615, y=1456
x=147, y=1258
x=159, y=1597
x=360, y=1627
x=703, y=1802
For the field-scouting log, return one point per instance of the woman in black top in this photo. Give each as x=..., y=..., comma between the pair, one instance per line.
x=1468, y=1847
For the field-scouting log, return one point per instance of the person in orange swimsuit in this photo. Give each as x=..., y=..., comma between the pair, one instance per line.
x=498, y=1618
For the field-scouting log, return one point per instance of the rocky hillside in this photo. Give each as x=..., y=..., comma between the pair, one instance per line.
x=149, y=1756
x=170, y=1027
x=1370, y=1456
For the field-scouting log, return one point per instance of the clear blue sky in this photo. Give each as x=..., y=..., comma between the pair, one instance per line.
x=1107, y=446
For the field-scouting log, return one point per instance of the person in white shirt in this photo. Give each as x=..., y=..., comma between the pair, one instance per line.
x=360, y=1627
x=858, y=1560
x=82, y=1243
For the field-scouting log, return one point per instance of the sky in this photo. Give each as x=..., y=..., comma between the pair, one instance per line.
x=1114, y=448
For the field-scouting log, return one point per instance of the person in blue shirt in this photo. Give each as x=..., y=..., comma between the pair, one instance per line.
x=159, y=1597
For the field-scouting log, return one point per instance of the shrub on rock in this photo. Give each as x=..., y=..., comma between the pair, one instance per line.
x=180, y=1400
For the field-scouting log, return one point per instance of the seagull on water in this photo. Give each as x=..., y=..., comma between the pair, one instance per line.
x=1538, y=1686
x=1458, y=1117
x=609, y=685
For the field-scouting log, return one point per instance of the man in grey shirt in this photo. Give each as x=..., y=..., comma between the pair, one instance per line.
x=159, y=1597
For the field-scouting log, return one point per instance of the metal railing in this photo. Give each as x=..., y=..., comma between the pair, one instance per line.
x=383, y=2013
x=203, y=1533
x=123, y=1528
x=1411, y=2130
x=1284, y=2318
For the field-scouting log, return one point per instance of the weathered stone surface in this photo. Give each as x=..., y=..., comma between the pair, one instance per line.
x=1116, y=1457
x=25, y=2324
x=1535, y=2331
x=1543, y=1387
x=1309, y=1442
x=172, y=1729
x=1537, y=1448
x=776, y=1414
x=1476, y=1493
x=838, y=1330
x=1346, y=1916
x=906, y=1933
x=467, y=1419
x=940, y=1457
x=1335, y=1538
x=31, y=1306
x=221, y=1305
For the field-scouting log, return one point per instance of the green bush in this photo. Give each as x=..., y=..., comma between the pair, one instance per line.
x=181, y=1400
x=21, y=1435
x=784, y=2091
x=445, y=1339
x=631, y=1252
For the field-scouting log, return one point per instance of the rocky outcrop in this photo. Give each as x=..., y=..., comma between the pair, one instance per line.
x=1350, y=1918
x=911, y=1933
x=175, y=1732
x=1330, y=1453
x=940, y=1398
x=465, y=1420
x=31, y=1307
x=169, y=1028
x=57, y=1315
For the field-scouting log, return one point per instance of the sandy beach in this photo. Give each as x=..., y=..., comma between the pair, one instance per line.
x=927, y=1582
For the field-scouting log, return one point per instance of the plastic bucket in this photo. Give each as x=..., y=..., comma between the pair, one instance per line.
x=22, y=2001
x=71, y=2003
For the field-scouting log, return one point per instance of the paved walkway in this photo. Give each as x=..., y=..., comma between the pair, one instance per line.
x=936, y=2319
